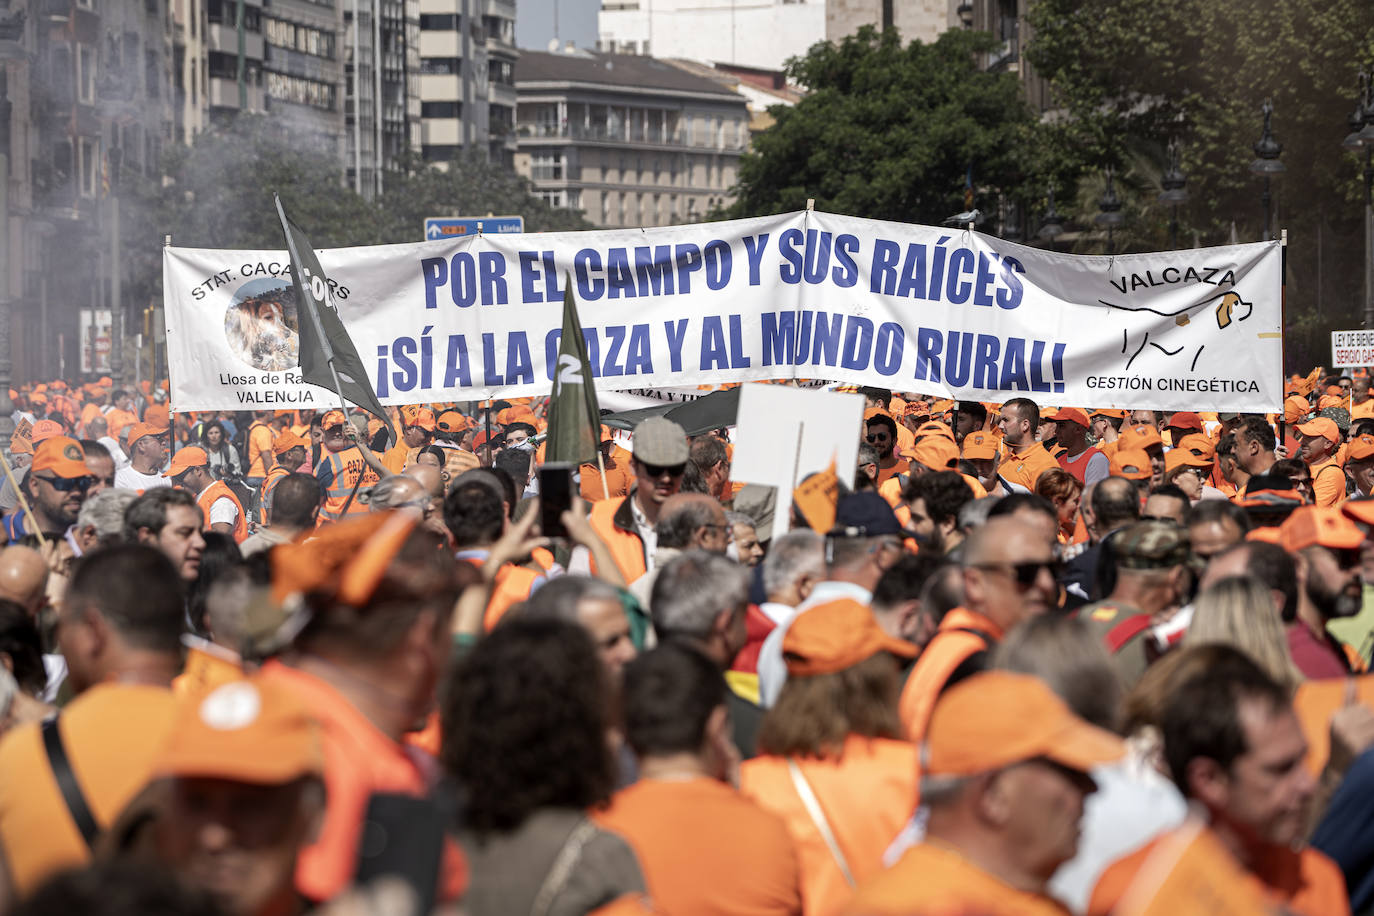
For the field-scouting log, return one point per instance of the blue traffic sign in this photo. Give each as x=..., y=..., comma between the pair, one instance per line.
x=441, y=227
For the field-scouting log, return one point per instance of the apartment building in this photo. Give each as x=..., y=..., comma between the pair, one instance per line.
x=467, y=79
x=628, y=140
x=757, y=33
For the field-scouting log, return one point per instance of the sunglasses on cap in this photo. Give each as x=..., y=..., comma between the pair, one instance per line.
x=658, y=470
x=67, y=484
x=1026, y=573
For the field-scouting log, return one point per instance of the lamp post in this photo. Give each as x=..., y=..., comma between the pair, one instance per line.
x=1109, y=213
x=6, y=405
x=1267, y=166
x=1361, y=137
x=965, y=13
x=1052, y=226
x=1175, y=193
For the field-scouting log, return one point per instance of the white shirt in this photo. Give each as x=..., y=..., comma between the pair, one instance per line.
x=131, y=479
x=121, y=460
x=222, y=510
x=645, y=530
x=772, y=668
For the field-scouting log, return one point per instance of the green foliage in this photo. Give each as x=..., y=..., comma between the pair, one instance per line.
x=1131, y=74
x=889, y=132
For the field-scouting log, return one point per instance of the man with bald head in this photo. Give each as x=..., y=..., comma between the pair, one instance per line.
x=686, y=521
x=24, y=578
x=1010, y=575
x=432, y=479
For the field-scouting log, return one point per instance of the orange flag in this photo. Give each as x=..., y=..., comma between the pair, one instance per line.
x=816, y=498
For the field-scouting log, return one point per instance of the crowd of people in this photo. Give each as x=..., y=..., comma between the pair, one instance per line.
x=1035, y=660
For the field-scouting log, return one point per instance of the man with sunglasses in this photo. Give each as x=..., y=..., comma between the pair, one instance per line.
x=660, y=453
x=57, y=483
x=1326, y=547
x=1010, y=574
x=880, y=431
x=219, y=506
x=1154, y=572
x=147, y=455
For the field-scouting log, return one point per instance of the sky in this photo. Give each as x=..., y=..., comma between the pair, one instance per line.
x=576, y=22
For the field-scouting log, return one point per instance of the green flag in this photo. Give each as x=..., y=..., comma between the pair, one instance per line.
x=574, y=433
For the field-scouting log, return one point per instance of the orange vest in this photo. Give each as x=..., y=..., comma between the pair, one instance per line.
x=623, y=542
x=220, y=490
x=348, y=467
x=269, y=484
x=962, y=633
x=868, y=794
x=513, y=585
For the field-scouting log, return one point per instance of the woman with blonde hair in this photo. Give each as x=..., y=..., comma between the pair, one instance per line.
x=832, y=760
x=1065, y=492
x=1239, y=611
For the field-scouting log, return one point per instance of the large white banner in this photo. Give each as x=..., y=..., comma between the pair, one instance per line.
x=810, y=295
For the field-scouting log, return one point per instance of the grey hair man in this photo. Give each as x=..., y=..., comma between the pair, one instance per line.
x=700, y=598
x=686, y=521
x=100, y=523
x=795, y=563
x=595, y=606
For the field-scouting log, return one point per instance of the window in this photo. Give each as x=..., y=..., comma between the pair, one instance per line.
x=440, y=153
x=88, y=151
x=85, y=74
x=441, y=66
x=439, y=22
x=441, y=109
x=605, y=208
x=547, y=165
x=152, y=74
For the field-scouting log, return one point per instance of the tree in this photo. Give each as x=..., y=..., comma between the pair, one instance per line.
x=1132, y=74
x=893, y=132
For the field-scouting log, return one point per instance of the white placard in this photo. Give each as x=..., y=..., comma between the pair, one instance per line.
x=1351, y=349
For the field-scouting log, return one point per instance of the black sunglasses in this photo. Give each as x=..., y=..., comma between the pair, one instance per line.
x=875, y=438
x=658, y=470
x=1025, y=574
x=67, y=484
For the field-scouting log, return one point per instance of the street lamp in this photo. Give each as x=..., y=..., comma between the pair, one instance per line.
x=1053, y=225
x=965, y=13
x=1175, y=193
x=6, y=405
x=1361, y=137
x=1109, y=213
x=1267, y=166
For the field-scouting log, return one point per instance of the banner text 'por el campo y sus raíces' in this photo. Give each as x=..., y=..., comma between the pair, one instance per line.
x=952, y=313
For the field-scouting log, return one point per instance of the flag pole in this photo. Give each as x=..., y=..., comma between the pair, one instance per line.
x=310, y=310
x=24, y=503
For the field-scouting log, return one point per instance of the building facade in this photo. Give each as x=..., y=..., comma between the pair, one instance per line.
x=626, y=139
x=467, y=79
x=762, y=33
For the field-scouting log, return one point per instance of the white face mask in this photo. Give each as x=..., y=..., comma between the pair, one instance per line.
x=526, y=446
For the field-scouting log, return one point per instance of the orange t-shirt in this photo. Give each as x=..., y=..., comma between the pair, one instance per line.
x=868, y=794
x=206, y=667
x=932, y=879
x=705, y=848
x=113, y=734
x=1328, y=483
x=260, y=439
x=359, y=760
x=1025, y=468
x=902, y=466
x=619, y=479
x=1307, y=882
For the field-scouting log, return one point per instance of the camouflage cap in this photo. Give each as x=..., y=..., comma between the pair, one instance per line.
x=1339, y=415
x=1152, y=545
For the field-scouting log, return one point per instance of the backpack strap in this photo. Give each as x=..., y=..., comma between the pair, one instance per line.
x=1125, y=631
x=66, y=782
x=813, y=809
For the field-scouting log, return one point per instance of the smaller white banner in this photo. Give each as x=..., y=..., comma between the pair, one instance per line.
x=1350, y=349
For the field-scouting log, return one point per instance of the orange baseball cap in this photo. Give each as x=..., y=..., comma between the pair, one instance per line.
x=836, y=635
x=287, y=440
x=993, y=720
x=105, y=381
x=139, y=430
x=333, y=418
x=253, y=731
x=1360, y=448
x=980, y=445
x=934, y=428
x=1108, y=412
x=1320, y=525
x=422, y=417
x=1334, y=390
x=1131, y=463
x=1185, y=419
x=1330, y=400
x=157, y=416
x=1198, y=444
x=451, y=421
x=1322, y=428
x=192, y=456
x=1072, y=415
x=45, y=429
x=1295, y=408
x=1141, y=436
x=1181, y=457
x=347, y=558
x=1359, y=510
x=62, y=455
x=935, y=452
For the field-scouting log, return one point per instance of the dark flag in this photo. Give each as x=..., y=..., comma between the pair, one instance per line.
x=323, y=337
x=574, y=433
